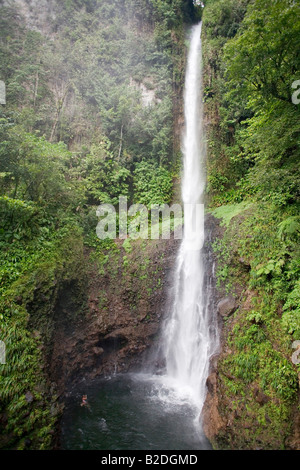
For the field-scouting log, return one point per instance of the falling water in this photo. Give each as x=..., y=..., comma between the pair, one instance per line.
x=189, y=333
x=128, y=410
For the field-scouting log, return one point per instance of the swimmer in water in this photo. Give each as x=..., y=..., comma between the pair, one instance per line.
x=84, y=400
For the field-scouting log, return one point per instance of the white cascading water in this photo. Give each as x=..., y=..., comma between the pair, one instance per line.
x=189, y=335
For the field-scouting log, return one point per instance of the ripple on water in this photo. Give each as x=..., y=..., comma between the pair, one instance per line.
x=130, y=412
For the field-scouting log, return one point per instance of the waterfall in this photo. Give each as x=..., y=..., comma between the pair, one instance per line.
x=159, y=407
x=189, y=333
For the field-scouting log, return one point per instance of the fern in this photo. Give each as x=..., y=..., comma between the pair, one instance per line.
x=289, y=228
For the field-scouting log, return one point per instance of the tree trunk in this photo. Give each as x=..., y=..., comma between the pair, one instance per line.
x=59, y=107
x=121, y=143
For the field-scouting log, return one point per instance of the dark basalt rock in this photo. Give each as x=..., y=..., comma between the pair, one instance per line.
x=226, y=306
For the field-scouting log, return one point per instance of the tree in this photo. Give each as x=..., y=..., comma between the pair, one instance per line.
x=263, y=59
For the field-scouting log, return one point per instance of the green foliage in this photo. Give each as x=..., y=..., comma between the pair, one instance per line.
x=222, y=18
x=289, y=228
x=291, y=311
x=217, y=181
x=104, y=179
x=31, y=268
x=250, y=83
x=152, y=184
x=18, y=219
x=253, y=256
x=33, y=168
x=257, y=362
x=250, y=62
x=89, y=117
x=23, y=374
x=254, y=145
x=82, y=82
x=227, y=212
x=263, y=58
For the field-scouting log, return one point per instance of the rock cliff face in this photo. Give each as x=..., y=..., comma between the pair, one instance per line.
x=233, y=422
x=37, y=13
x=122, y=319
x=252, y=419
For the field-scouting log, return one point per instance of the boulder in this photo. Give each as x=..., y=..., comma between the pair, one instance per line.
x=97, y=351
x=211, y=383
x=226, y=306
x=28, y=397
